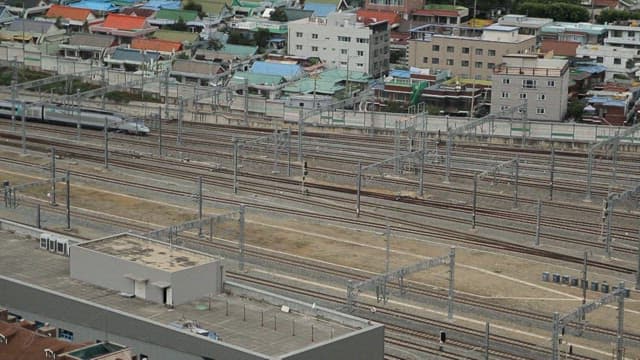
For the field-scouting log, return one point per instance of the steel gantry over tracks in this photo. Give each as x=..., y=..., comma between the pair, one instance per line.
x=380, y=282
x=610, y=144
x=489, y=119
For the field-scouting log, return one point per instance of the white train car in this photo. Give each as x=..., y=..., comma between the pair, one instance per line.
x=87, y=118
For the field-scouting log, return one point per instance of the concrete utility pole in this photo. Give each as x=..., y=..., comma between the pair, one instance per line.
x=452, y=266
x=538, y=217
x=552, y=169
x=300, y=131
x=106, y=143
x=180, y=119
x=200, y=205
x=24, y=129
x=235, y=165
x=68, y=195
x=585, y=263
x=517, y=178
x=487, y=335
x=245, y=92
x=358, y=187
x=160, y=130
x=475, y=201
x=241, y=237
x=52, y=194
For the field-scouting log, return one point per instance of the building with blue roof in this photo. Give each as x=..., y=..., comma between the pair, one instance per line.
x=287, y=71
x=96, y=5
x=320, y=9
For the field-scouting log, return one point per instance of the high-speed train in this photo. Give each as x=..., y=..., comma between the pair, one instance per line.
x=64, y=115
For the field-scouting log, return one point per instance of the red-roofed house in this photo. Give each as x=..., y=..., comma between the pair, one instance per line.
x=374, y=16
x=559, y=48
x=73, y=17
x=164, y=47
x=20, y=342
x=124, y=27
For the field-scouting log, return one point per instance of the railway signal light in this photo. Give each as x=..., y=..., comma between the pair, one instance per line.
x=443, y=337
x=305, y=171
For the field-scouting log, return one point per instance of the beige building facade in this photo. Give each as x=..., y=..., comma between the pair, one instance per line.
x=542, y=83
x=466, y=52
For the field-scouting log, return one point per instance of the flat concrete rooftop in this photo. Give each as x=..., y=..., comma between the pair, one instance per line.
x=147, y=252
x=253, y=325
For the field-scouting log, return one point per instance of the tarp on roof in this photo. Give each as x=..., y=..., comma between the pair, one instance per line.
x=256, y=79
x=404, y=74
x=162, y=4
x=95, y=5
x=288, y=71
x=320, y=9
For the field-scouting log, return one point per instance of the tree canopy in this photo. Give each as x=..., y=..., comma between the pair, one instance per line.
x=279, y=15
x=558, y=11
x=612, y=15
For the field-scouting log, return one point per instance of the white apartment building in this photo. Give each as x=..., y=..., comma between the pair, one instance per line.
x=627, y=36
x=618, y=60
x=342, y=41
x=542, y=83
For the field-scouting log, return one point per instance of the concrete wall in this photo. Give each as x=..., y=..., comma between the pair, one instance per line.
x=109, y=272
x=196, y=282
x=89, y=321
x=366, y=344
x=115, y=273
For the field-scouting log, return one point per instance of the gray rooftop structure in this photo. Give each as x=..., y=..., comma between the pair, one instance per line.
x=134, y=56
x=31, y=26
x=249, y=323
x=91, y=40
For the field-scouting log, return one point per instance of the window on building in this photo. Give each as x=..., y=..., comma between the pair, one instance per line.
x=465, y=63
x=344, y=38
x=599, y=59
x=435, y=60
x=479, y=52
x=465, y=50
x=631, y=34
x=298, y=47
x=450, y=62
x=360, y=53
x=425, y=60
x=343, y=51
x=540, y=111
x=343, y=63
x=386, y=49
x=523, y=96
x=504, y=107
x=362, y=40
x=435, y=47
x=551, y=83
x=360, y=65
x=314, y=48
x=491, y=52
x=491, y=65
x=450, y=49
x=478, y=64
x=299, y=34
x=314, y=36
x=506, y=81
x=65, y=334
x=529, y=84
x=505, y=94
x=617, y=33
x=617, y=61
x=542, y=97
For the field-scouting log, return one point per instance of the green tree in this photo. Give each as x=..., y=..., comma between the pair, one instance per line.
x=279, y=15
x=179, y=25
x=575, y=109
x=262, y=37
x=613, y=15
x=191, y=5
x=214, y=44
x=557, y=11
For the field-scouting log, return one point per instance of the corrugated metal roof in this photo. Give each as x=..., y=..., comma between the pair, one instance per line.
x=156, y=45
x=288, y=71
x=91, y=40
x=239, y=50
x=256, y=79
x=175, y=14
x=134, y=55
x=195, y=67
x=320, y=9
x=124, y=22
x=68, y=12
x=30, y=26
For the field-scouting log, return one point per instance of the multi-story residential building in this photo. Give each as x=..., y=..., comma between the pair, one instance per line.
x=466, y=51
x=527, y=25
x=342, y=41
x=542, y=83
x=440, y=14
x=404, y=7
x=625, y=35
x=584, y=33
x=621, y=63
